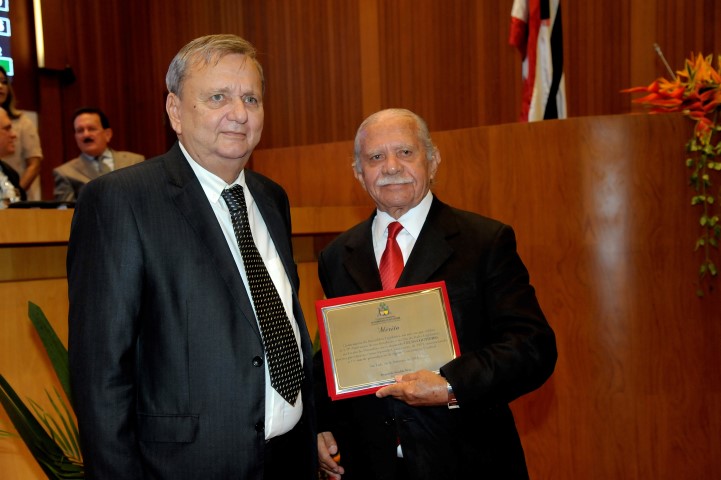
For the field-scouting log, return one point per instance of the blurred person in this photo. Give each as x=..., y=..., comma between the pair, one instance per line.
x=173, y=367
x=7, y=147
x=92, y=134
x=27, y=157
x=455, y=424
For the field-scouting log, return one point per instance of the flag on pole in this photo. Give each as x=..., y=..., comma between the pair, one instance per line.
x=536, y=31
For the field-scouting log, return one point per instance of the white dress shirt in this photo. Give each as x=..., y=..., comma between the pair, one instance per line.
x=412, y=222
x=280, y=416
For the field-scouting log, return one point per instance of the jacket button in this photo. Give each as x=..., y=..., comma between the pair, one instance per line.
x=257, y=361
x=260, y=427
x=389, y=421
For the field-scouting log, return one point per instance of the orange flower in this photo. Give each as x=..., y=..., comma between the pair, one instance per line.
x=695, y=91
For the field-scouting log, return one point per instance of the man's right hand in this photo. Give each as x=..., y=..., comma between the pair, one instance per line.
x=328, y=456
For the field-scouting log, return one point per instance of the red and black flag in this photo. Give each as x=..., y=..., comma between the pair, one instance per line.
x=536, y=31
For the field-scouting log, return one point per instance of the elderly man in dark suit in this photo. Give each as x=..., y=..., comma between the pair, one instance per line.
x=455, y=424
x=92, y=134
x=189, y=354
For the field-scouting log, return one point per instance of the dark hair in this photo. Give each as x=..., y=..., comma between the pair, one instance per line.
x=103, y=118
x=9, y=103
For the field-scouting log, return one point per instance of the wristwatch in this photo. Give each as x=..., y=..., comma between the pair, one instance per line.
x=452, y=402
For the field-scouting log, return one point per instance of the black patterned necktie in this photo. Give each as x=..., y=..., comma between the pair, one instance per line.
x=281, y=348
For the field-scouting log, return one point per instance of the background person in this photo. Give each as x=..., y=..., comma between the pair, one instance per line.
x=92, y=134
x=507, y=347
x=170, y=371
x=28, y=154
x=7, y=147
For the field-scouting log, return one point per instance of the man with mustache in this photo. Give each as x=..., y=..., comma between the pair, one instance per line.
x=455, y=424
x=92, y=134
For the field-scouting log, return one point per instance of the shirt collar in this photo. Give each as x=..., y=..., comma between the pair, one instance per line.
x=412, y=220
x=212, y=184
x=106, y=154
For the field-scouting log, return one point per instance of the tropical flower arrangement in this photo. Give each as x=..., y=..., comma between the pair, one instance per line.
x=696, y=92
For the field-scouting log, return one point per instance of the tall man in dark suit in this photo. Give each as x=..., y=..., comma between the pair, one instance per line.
x=171, y=364
x=92, y=134
x=412, y=429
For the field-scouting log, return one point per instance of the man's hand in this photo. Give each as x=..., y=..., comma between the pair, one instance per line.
x=328, y=456
x=421, y=388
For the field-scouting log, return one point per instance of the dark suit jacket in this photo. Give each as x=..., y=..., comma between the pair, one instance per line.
x=13, y=178
x=166, y=356
x=507, y=350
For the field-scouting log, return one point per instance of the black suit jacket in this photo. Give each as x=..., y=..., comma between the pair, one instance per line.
x=13, y=178
x=165, y=352
x=507, y=350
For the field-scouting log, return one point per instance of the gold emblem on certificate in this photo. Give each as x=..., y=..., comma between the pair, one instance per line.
x=370, y=338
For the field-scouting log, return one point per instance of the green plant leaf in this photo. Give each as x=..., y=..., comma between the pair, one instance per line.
x=41, y=445
x=69, y=432
x=56, y=447
x=57, y=353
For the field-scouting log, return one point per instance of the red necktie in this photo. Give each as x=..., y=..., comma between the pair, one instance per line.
x=392, y=260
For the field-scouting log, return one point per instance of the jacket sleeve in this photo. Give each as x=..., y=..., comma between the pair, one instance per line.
x=518, y=351
x=105, y=288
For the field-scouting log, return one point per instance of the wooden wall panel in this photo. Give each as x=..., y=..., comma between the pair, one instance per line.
x=329, y=64
x=313, y=69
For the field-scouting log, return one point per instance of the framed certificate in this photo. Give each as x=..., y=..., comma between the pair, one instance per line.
x=368, y=339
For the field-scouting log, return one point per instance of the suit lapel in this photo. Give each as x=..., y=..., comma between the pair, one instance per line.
x=360, y=262
x=87, y=168
x=432, y=249
x=274, y=221
x=189, y=197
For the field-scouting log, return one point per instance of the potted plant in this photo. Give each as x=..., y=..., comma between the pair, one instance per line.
x=51, y=437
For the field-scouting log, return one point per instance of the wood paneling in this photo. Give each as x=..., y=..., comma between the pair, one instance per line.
x=329, y=64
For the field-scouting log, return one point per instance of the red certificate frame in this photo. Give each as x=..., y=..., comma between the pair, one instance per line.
x=369, y=338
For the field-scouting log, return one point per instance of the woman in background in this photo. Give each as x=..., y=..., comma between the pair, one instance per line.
x=28, y=153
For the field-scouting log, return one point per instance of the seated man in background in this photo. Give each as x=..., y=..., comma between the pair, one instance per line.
x=92, y=134
x=7, y=147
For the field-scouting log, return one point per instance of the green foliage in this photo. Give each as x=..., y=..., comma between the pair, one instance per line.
x=51, y=437
x=696, y=92
x=704, y=166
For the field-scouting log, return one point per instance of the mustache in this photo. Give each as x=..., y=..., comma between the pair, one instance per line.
x=88, y=140
x=393, y=181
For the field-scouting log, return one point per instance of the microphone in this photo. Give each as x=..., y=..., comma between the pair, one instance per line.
x=660, y=54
